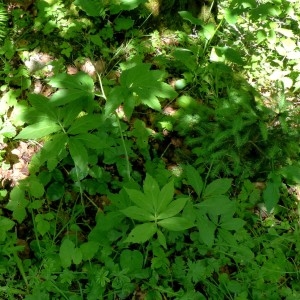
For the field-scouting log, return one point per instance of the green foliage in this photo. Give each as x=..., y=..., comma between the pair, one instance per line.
x=166, y=171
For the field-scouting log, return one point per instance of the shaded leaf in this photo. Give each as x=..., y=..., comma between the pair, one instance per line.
x=217, y=187
x=137, y=213
x=66, y=251
x=206, y=230
x=78, y=153
x=194, y=179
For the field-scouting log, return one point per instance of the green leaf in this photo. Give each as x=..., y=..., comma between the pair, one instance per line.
x=206, y=230
x=216, y=205
x=55, y=191
x=165, y=197
x=143, y=82
x=85, y=123
x=77, y=256
x=161, y=239
x=89, y=250
x=66, y=251
x=151, y=190
x=175, y=224
x=71, y=88
x=233, y=224
x=291, y=173
x=140, y=200
x=194, y=179
x=132, y=260
x=39, y=130
x=231, y=16
x=43, y=226
x=5, y=225
x=90, y=140
x=189, y=17
x=115, y=98
x=18, y=204
x=78, y=153
x=173, y=208
x=141, y=233
x=36, y=188
x=217, y=187
x=51, y=150
x=271, y=194
x=137, y=213
x=93, y=8
x=42, y=105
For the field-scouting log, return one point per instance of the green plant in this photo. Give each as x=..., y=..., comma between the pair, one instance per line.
x=156, y=208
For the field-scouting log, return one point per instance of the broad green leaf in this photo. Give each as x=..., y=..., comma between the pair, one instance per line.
x=66, y=251
x=36, y=188
x=175, y=224
x=151, y=190
x=231, y=16
x=42, y=105
x=137, y=213
x=69, y=113
x=71, y=88
x=93, y=8
x=43, y=226
x=85, y=123
x=125, y=5
x=194, y=179
x=5, y=225
x=51, y=149
x=90, y=140
x=89, y=250
x=132, y=260
x=173, y=208
x=115, y=98
x=189, y=17
x=141, y=233
x=18, y=204
x=55, y=191
x=227, y=237
x=78, y=153
x=233, y=224
x=206, y=230
x=39, y=130
x=138, y=198
x=271, y=194
x=145, y=83
x=216, y=205
x=291, y=173
x=77, y=256
x=165, y=196
x=217, y=187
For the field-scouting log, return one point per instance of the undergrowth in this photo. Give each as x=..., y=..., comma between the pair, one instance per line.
x=143, y=162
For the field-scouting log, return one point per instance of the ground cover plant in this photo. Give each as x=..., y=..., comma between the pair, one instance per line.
x=149, y=149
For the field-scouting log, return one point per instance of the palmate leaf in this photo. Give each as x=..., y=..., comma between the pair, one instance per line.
x=145, y=83
x=173, y=208
x=71, y=88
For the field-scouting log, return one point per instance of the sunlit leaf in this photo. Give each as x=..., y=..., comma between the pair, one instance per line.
x=39, y=130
